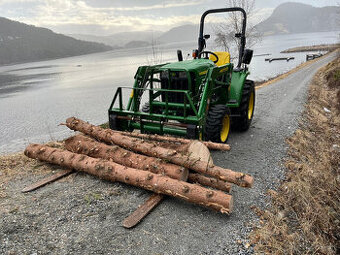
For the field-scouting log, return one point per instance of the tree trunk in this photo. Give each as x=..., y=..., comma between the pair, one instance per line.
x=153, y=150
x=90, y=147
x=216, y=200
x=210, y=145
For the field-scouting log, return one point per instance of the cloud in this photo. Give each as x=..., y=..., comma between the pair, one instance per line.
x=114, y=16
x=165, y=5
x=60, y=13
x=17, y=1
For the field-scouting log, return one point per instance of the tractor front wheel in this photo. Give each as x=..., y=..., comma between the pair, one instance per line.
x=113, y=122
x=117, y=124
x=217, y=125
x=146, y=109
x=246, y=110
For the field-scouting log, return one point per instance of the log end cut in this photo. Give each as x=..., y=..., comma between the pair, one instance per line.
x=247, y=181
x=231, y=206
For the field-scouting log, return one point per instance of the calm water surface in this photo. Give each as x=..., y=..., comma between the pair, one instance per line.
x=36, y=97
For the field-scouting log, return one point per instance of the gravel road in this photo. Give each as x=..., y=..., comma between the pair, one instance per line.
x=83, y=215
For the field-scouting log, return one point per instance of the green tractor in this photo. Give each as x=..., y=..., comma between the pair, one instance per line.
x=200, y=98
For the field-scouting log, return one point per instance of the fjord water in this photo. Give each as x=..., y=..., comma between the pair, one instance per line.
x=36, y=97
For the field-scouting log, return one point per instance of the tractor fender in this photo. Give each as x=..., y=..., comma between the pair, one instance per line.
x=238, y=79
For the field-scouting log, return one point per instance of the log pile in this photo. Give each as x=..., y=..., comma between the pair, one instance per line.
x=164, y=165
x=151, y=149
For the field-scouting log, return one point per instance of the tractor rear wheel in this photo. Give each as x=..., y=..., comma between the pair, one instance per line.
x=246, y=110
x=217, y=126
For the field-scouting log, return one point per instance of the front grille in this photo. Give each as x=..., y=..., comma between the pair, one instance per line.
x=178, y=81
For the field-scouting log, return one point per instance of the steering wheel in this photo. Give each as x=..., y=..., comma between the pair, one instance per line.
x=207, y=53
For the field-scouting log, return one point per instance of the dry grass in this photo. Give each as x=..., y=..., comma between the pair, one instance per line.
x=305, y=213
x=18, y=166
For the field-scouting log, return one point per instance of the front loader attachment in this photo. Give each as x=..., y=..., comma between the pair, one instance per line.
x=176, y=98
x=163, y=120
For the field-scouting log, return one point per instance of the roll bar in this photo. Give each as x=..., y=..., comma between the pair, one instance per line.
x=242, y=36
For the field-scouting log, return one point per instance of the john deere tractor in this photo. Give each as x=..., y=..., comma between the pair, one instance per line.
x=201, y=98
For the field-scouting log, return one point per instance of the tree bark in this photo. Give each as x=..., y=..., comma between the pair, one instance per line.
x=216, y=200
x=90, y=147
x=209, y=182
x=153, y=150
x=210, y=145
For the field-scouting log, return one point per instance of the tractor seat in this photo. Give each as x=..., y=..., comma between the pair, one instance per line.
x=223, y=58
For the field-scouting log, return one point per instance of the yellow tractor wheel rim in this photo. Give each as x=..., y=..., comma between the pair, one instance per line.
x=251, y=106
x=225, y=128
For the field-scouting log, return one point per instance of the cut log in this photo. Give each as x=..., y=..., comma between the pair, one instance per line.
x=179, y=147
x=90, y=147
x=216, y=200
x=209, y=182
x=152, y=150
x=210, y=145
x=198, y=149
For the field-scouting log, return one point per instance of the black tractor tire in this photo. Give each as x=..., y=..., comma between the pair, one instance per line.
x=113, y=122
x=146, y=108
x=217, y=122
x=244, y=114
x=118, y=124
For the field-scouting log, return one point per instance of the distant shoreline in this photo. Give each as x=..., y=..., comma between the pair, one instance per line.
x=320, y=47
x=52, y=58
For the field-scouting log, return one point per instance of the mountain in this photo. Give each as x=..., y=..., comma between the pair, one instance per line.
x=275, y=3
x=136, y=39
x=24, y=43
x=181, y=33
x=94, y=38
x=120, y=39
x=137, y=44
x=300, y=18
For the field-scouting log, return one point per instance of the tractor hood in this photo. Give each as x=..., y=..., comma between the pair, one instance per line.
x=199, y=66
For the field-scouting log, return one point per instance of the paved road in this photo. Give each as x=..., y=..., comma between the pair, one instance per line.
x=85, y=216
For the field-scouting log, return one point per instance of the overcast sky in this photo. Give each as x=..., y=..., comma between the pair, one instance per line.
x=104, y=17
